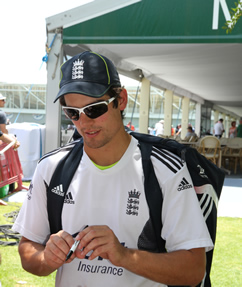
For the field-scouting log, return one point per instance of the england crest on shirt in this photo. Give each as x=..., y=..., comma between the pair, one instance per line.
x=133, y=202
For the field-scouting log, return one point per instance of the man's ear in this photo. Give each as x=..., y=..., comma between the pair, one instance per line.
x=123, y=99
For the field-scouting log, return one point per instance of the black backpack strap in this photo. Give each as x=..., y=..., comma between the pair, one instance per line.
x=59, y=184
x=153, y=193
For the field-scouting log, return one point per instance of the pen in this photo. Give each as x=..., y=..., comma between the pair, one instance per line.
x=74, y=246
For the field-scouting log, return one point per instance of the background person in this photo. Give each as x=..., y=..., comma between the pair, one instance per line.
x=239, y=129
x=190, y=125
x=159, y=128
x=3, y=117
x=178, y=130
x=108, y=179
x=8, y=139
x=233, y=130
x=219, y=128
x=130, y=126
x=190, y=133
x=3, y=122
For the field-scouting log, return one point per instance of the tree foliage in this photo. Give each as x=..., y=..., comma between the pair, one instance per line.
x=235, y=13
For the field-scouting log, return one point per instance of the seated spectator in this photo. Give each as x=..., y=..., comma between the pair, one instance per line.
x=190, y=125
x=191, y=135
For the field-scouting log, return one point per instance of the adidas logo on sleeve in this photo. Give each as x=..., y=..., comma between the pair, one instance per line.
x=184, y=185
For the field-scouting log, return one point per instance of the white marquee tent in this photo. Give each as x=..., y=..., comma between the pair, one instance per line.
x=178, y=46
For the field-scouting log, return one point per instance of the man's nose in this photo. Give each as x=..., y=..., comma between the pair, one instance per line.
x=83, y=118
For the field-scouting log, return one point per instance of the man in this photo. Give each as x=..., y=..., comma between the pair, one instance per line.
x=178, y=130
x=109, y=176
x=3, y=118
x=219, y=128
x=239, y=129
x=8, y=139
x=190, y=126
x=159, y=128
x=190, y=135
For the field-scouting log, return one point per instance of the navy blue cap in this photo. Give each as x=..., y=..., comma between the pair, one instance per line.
x=89, y=74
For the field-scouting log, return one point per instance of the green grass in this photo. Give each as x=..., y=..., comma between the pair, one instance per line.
x=227, y=260
x=226, y=268
x=11, y=271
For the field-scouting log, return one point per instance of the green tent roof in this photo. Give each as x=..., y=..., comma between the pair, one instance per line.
x=159, y=21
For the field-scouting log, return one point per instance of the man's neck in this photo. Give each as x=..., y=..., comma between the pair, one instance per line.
x=111, y=152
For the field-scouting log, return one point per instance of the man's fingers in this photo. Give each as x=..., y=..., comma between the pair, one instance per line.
x=59, y=245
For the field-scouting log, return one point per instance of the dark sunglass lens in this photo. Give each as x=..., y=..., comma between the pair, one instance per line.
x=94, y=112
x=72, y=114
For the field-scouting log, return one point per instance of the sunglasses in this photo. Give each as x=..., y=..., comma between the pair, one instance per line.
x=92, y=111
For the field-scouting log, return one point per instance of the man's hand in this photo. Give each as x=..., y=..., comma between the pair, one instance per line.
x=43, y=260
x=183, y=267
x=103, y=242
x=57, y=248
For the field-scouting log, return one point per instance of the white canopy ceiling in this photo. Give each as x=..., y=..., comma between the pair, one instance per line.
x=211, y=72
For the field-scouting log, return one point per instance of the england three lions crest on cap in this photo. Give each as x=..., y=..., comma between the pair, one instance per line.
x=77, y=69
